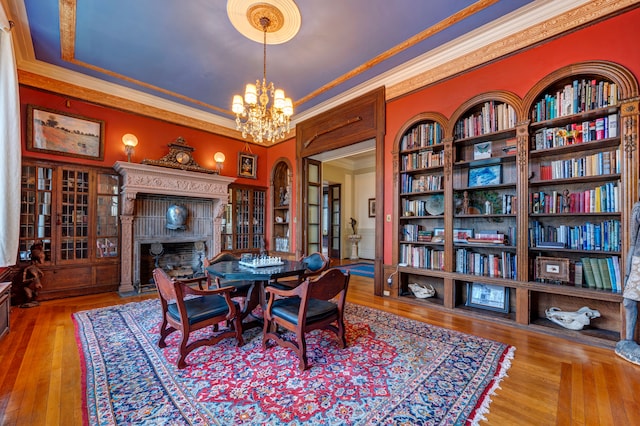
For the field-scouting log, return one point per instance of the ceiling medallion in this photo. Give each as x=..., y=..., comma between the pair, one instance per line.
x=283, y=15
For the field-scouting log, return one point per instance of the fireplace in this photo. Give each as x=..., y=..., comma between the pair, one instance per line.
x=148, y=192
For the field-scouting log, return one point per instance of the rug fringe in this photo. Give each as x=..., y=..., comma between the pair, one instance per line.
x=482, y=409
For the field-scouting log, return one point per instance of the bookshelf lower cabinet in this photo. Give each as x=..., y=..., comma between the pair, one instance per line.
x=411, y=277
x=604, y=330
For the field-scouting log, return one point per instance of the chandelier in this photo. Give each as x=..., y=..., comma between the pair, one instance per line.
x=257, y=116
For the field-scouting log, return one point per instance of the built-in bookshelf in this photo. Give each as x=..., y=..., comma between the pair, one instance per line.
x=515, y=205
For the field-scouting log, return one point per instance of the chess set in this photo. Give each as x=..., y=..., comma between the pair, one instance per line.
x=261, y=262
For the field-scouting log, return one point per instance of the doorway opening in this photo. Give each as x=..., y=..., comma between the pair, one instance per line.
x=347, y=177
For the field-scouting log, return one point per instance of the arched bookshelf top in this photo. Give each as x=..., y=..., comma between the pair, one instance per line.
x=423, y=117
x=475, y=103
x=603, y=70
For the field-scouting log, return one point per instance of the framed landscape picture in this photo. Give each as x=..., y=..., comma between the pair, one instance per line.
x=61, y=133
x=247, y=165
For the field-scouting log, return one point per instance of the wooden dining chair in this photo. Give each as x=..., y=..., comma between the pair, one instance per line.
x=186, y=315
x=314, y=304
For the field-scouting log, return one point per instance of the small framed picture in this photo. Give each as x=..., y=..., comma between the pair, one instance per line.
x=372, y=207
x=487, y=296
x=462, y=235
x=482, y=150
x=485, y=175
x=438, y=235
x=62, y=133
x=552, y=268
x=247, y=165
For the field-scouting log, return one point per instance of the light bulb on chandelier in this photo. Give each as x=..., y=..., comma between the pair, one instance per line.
x=254, y=116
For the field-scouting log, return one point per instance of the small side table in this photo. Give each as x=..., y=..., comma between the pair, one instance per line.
x=5, y=307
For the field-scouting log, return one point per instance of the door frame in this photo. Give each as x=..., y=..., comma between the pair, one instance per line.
x=356, y=121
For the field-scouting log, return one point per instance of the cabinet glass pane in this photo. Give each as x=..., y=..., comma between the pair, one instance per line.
x=74, y=217
x=107, y=215
x=35, y=210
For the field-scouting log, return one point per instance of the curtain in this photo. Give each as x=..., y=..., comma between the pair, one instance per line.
x=10, y=146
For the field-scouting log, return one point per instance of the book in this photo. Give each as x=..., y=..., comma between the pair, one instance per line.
x=597, y=274
x=577, y=274
x=589, y=276
x=606, y=275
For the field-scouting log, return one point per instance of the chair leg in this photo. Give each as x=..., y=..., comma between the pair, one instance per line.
x=341, y=335
x=238, y=329
x=165, y=331
x=183, y=350
x=265, y=331
x=302, y=352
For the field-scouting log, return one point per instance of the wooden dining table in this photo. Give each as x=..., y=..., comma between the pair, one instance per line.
x=233, y=270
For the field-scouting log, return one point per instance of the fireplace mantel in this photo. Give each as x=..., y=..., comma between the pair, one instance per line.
x=147, y=179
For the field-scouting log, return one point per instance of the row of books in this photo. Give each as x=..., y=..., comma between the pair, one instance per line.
x=577, y=97
x=576, y=133
x=603, y=236
x=422, y=160
x=601, y=199
x=601, y=273
x=422, y=257
x=409, y=183
x=601, y=163
x=501, y=265
x=493, y=117
x=422, y=135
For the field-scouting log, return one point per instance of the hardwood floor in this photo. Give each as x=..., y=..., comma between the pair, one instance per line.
x=551, y=381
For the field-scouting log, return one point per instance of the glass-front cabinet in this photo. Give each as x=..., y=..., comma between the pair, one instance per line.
x=72, y=211
x=244, y=220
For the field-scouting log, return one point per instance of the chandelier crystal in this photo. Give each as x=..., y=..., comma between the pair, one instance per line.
x=257, y=116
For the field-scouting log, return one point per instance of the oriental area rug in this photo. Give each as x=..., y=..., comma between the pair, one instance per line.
x=393, y=371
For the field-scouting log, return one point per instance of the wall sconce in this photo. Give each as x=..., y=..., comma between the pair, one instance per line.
x=219, y=159
x=130, y=141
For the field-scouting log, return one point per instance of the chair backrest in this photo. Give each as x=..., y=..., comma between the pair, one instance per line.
x=329, y=285
x=316, y=263
x=165, y=285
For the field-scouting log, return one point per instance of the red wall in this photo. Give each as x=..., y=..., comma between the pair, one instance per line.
x=612, y=40
x=153, y=137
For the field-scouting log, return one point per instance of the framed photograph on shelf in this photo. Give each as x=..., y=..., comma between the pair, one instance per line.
x=247, y=165
x=485, y=175
x=552, y=268
x=482, y=150
x=487, y=296
x=62, y=133
x=461, y=235
x=438, y=235
x=372, y=207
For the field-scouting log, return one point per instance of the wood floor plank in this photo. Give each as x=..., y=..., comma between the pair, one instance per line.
x=551, y=380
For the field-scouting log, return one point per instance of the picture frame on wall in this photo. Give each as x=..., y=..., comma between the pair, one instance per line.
x=372, y=207
x=487, y=296
x=61, y=133
x=247, y=165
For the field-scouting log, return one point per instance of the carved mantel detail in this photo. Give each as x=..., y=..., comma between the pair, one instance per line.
x=148, y=179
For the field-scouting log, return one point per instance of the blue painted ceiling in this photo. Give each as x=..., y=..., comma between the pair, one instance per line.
x=187, y=51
